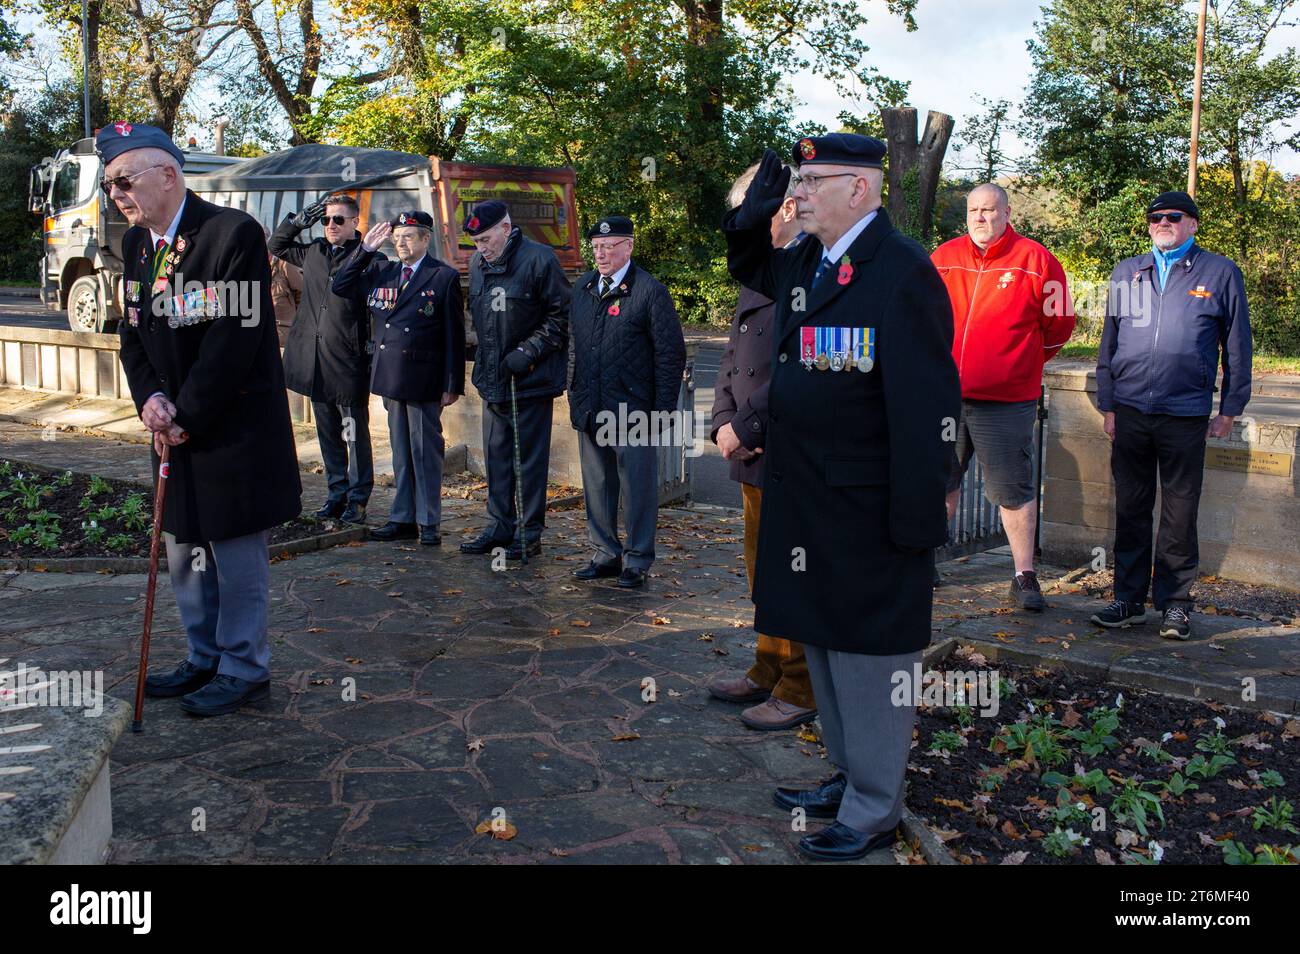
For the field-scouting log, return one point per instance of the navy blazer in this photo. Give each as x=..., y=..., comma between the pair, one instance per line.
x=419, y=330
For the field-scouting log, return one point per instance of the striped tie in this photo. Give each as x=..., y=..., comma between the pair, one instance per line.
x=822, y=268
x=406, y=275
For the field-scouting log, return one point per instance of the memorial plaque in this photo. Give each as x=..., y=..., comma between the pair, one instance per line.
x=1249, y=461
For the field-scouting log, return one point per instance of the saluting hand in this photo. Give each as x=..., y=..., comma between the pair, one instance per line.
x=376, y=236
x=765, y=193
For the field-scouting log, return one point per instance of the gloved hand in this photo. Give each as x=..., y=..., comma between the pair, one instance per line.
x=309, y=216
x=518, y=363
x=765, y=193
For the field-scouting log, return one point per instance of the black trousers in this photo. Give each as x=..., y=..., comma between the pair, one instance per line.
x=1175, y=447
x=534, y=459
x=344, y=434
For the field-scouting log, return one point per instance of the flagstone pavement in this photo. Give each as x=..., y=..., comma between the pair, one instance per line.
x=418, y=692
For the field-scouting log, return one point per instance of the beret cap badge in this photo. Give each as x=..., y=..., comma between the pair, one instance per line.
x=807, y=148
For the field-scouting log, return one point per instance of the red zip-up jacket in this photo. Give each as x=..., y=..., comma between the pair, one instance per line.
x=1011, y=312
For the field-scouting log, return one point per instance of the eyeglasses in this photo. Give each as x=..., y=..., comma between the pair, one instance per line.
x=336, y=219
x=1155, y=218
x=124, y=182
x=812, y=183
x=607, y=247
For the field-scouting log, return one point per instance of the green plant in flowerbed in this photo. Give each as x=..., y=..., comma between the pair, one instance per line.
x=47, y=513
x=1072, y=771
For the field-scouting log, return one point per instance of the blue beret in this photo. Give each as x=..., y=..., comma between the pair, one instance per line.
x=116, y=138
x=416, y=218
x=483, y=215
x=840, y=149
x=611, y=225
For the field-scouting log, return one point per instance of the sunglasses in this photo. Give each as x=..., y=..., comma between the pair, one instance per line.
x=1156, y=218
x=124, y=182
x=336, y=219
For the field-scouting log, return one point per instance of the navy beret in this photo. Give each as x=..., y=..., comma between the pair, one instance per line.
x=1177, y=201
x=416, y=218
x=840, y=149
x=483, y=215
x=613, y=226
x=116, y=138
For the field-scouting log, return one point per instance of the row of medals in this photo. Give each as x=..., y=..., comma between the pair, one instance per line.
x=839, y=361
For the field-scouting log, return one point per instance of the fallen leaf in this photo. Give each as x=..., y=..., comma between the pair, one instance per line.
x=660, y=621
x=626, y=737
x=1103, y=856
x=1126, y=839
x=475, y=745
x=1071, y=718
x=946, y=834
x=342, y=582
x=1045, y=639
x=951, y=803
x=705, y=638
x=394, y=593
x=500, y=830
x=1204, y=798
x=452, y=592
x=1009, y=829
x=557, y=852
x=1015, y=858
x=806, y=734
x=580, y=623
x=673, y=694
x=1291, y=730
x=316, y=629
x=552, y=632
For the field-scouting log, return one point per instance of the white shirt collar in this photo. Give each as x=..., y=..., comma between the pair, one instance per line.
x=415, y=267
x=171, y=229
x=618, y=276
x=842, y=246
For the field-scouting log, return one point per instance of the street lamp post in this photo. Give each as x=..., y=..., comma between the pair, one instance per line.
x=1196, y=102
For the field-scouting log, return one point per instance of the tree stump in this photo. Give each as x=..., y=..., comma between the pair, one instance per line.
x=914, y=167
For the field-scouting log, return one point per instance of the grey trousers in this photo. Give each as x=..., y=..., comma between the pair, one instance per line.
x=222, y=592
x=415, y=433
x=349, y=464
x=608, y=471
x=867, y=738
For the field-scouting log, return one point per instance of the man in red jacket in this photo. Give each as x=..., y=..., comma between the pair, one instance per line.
x=1011, y=312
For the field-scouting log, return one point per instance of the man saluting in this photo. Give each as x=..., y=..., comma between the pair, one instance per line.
x=418, y=315
x=863, y=388
x=202, y=360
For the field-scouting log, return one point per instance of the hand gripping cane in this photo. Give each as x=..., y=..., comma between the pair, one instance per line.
x=164, y=471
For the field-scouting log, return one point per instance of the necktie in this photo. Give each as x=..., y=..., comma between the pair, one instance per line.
x=406, y=274
x=159, y=257
x=162, y=244
x=604, y=285
x=822, y=268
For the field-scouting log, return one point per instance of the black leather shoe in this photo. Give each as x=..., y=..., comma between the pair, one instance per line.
x=186, y=678
x=394, y=531
x=332, y=510
x=838, y=842
x=594, y=570
x=430, y=536
x=822, y=802
x=631, y=577
x=534, y=548
x=225, y=694
x=354, y=513
x=483, y=543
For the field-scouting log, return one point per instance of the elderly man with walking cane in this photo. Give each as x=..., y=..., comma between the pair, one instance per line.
x=205, y=374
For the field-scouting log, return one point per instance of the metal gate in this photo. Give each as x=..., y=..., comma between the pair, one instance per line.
x=977, y=524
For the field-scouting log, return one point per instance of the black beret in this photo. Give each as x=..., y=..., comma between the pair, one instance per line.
x=421, y=220
x=1176, y=201
x=116, y=138
x=840, y=149
x=483, y=215
x=611, y=225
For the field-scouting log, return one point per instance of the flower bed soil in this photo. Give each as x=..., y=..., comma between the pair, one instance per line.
x=1006, y=805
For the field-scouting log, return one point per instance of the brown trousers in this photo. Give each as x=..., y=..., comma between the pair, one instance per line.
x=779, y=664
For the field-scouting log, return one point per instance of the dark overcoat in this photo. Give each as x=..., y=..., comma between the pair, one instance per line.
x=325, y=353
x=744, y=374
x=207, y=340
x=856, y=462
x=419, y=329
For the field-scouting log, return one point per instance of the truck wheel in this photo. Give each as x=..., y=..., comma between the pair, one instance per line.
x=86, y=311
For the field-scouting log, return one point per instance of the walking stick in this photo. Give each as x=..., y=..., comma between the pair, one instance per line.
x=164, y=469
x=519, y=473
